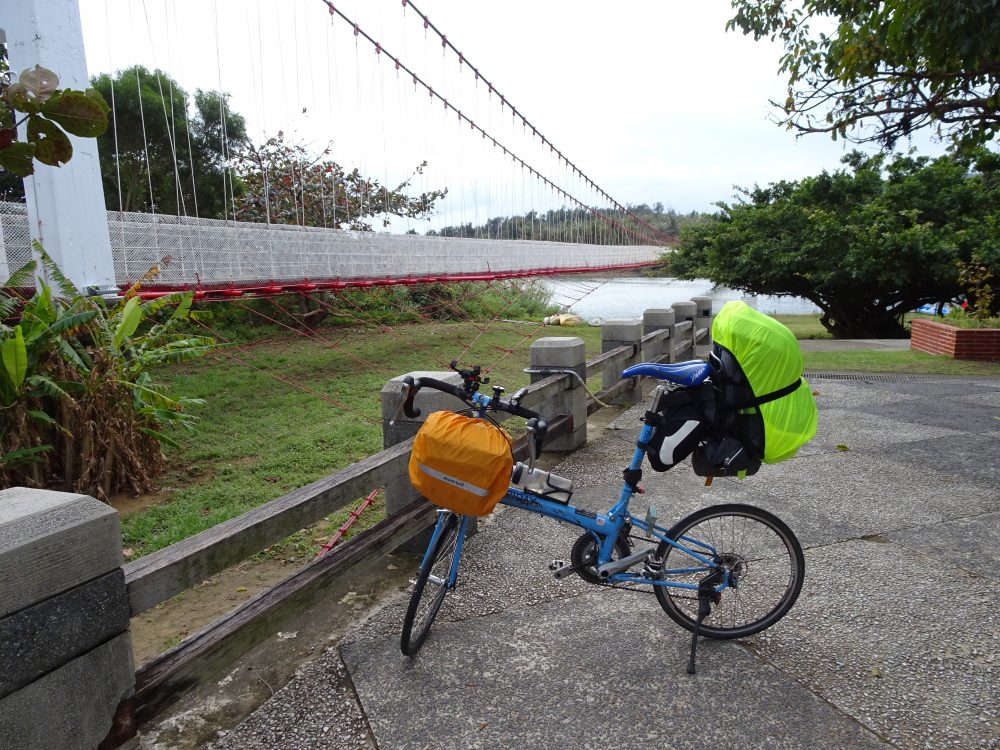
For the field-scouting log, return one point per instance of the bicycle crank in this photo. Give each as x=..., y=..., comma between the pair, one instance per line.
x=561, y=569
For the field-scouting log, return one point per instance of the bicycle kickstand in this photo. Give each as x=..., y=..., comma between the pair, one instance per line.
x=704, y=608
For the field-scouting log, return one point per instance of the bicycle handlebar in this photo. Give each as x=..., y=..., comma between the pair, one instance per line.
x=537, y=424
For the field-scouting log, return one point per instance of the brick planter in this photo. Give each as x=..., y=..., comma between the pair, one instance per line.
x=960, y=343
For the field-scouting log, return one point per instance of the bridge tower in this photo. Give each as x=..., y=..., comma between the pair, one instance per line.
x=66, y=210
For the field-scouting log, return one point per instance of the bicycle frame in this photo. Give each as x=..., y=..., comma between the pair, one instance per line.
x=604, y=554
x=605, y=527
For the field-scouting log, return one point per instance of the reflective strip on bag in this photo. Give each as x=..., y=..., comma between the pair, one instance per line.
x=471, y=488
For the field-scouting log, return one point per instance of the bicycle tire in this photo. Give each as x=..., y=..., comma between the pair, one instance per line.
x=426, y=601
x=765, y=558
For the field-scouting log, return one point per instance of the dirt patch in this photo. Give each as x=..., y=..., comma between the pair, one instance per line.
x=127, y=504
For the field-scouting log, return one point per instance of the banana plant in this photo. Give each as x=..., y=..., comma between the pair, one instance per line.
x=31, y=377
x=77, y=378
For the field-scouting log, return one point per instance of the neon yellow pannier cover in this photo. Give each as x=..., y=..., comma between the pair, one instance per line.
x=771, y=360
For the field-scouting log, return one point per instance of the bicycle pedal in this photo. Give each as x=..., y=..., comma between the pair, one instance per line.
x=556, y=564
x=563, y=571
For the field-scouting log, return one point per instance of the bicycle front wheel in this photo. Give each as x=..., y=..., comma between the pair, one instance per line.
x=765, y=563
x=431, y=586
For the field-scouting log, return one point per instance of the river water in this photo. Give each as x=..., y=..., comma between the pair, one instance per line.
x=610, y=298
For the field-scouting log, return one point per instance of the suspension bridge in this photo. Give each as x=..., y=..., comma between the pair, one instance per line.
x=385, y=89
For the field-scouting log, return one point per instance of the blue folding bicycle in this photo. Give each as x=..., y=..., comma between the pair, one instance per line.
x=725, y=571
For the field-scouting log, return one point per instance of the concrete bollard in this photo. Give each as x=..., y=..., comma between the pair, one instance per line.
x=398, y=491
x=66, y=671
x=655, y=320
x=562, y=353
x=685, y=311
x=703, y=321
x=616, y=333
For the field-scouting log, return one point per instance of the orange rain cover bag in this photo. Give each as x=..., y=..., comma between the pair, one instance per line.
x=460, y=463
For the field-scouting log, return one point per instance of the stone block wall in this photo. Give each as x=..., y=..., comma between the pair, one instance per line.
x=66, y=670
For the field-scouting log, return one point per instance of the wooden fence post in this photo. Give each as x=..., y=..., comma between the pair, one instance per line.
x=563, y=353
x=66, y=672
x=615, y=334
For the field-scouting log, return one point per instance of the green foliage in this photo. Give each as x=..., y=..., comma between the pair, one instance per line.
x=865, y=246
x=906, y=361
x=286, y=184
x=978, y=278
x=49, y=113
x=77, y=401
x=887, y=68
x=187, y=139
x=960, y=318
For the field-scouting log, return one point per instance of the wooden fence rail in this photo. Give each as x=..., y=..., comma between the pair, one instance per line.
x=160, y=575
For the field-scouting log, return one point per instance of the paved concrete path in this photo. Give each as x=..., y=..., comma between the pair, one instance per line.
x=894, y=642
x=844, y=345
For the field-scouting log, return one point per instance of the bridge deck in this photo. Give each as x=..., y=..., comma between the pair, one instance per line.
x=213, y=254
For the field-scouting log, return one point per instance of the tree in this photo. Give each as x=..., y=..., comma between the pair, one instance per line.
x=887, y=69
x=49, y=114
x=865, y=244
x=286, y=184
x=162, y=137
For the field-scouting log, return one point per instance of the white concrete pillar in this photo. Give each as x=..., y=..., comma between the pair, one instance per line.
x=563, y=352
x=66, y=210
x=616, y=333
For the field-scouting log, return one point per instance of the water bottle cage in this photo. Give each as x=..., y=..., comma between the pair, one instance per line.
x=542, y=483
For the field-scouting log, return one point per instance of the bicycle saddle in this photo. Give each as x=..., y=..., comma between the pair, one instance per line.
x=682, y=373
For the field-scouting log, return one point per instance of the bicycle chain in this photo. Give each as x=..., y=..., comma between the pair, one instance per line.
x=631, y=587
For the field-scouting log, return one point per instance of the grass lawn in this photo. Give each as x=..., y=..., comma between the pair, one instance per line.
x=259, y=437
x=804, y=326
x=907, y=361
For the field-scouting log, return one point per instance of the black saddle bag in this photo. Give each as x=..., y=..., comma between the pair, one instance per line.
x=734, y=445
x=681, y=419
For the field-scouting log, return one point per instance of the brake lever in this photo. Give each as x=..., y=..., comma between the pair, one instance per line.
x=530, y=427
x=403, y=393
x=407, y=394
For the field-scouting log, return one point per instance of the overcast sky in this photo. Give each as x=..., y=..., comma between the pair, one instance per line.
x=653, y=99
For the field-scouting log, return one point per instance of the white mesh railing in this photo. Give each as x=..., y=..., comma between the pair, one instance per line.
x=209, y=252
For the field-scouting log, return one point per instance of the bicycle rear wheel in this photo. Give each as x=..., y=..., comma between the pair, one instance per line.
x=431, y=586
x=764, y=559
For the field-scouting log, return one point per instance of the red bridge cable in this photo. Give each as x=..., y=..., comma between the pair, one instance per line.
x=273, y=373
x=536, y=329
x=358, y=31
x=227, y=291
x=314, y=334
x=463, y=60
